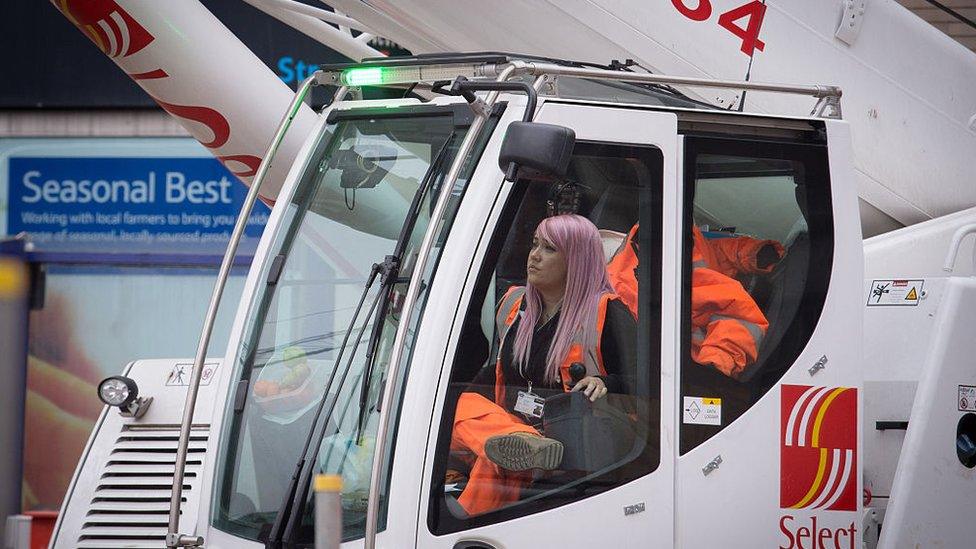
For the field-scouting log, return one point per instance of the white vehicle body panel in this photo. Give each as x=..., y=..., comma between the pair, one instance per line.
x=741, y=497
x=932, y=493
x=128, y=464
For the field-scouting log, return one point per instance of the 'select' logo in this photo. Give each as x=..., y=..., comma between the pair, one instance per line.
x=818, y=448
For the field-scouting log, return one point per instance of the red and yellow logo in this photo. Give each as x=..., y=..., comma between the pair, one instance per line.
x=112, y=29
x=818, y=448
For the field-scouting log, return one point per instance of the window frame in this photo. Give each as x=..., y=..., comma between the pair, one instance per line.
x=440, y=519
x=810, y=149
x=285, y=237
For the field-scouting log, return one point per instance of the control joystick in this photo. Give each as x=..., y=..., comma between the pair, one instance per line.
x=576, y=372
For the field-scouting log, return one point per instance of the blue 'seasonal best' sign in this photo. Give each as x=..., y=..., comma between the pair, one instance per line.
x=127, y=205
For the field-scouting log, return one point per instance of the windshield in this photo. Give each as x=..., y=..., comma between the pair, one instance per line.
x=346, y=214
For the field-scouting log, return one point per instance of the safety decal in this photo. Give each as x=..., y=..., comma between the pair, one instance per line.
x=818, y=448
x=179, y=376
x=898, y=293
x=702, y=411
x=967, y=398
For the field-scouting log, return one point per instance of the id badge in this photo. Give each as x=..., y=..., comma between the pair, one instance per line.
x=530, y=404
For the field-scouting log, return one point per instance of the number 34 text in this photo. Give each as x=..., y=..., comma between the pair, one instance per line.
x=752, y=13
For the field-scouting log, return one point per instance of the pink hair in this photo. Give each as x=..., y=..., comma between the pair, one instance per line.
x=586, y=280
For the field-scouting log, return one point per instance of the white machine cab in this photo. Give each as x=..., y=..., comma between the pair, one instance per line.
x=734, y=405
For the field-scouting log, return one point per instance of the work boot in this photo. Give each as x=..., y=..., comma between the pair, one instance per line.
x=523, y=451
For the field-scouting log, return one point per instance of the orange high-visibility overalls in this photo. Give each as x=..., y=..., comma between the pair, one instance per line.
x=727, y=325
x=734, y=255
x=477, y=418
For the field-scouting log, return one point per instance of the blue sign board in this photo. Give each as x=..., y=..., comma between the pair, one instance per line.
x=128, y=205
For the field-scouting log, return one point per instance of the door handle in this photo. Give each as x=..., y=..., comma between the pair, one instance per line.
x=472, y=544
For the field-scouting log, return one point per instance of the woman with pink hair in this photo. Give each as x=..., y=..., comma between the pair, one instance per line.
x=565, y=319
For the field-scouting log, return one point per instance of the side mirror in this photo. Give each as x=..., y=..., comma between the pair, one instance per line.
x=536, y=150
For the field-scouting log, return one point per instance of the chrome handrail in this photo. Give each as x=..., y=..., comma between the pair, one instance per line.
x=957, y=238
x=413, y=291
x=173, y=537
x=539, y=69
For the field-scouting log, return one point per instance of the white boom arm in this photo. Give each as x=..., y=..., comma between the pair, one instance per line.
x=909, y=90
x=197, y=70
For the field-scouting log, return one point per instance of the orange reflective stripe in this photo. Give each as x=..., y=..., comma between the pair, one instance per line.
x=621, y=271
x=699, y=247
x=499, y=382
x=728, y=347
x=515, y=306
x=513, y=312
x=754, y=329
x=574, y=355
x=503, y=321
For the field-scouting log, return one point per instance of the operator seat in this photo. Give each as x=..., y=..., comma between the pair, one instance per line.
x=787, y=284
x=786, y=288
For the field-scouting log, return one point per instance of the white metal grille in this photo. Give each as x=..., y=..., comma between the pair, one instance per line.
x=130, y=506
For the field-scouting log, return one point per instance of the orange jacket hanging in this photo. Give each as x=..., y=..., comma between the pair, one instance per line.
x=727, y=325
x=734, y=255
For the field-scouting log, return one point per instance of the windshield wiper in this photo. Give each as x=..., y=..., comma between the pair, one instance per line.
x=408, y=225
x=293, y=505
x=300, y=470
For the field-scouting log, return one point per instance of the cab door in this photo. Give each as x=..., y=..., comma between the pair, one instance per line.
x=769, y=436
x=620, y=492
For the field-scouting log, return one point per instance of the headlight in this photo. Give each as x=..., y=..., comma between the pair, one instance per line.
x=118, y=391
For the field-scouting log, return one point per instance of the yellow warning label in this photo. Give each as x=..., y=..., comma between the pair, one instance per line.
x=702, y=411
x=903, y=293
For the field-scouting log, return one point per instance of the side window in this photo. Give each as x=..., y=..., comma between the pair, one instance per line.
x=515, y=437
x=758, y=246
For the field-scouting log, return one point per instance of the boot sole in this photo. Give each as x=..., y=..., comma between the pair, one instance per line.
x=521, y=453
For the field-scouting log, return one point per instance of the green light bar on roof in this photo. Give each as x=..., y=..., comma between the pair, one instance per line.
x=365, y=76
x=388, y=75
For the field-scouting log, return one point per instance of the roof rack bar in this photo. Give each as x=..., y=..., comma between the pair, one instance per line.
x=539, y=69
x=430, y=68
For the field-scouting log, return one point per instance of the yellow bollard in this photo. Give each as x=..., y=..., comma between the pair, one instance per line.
x=13, y=279
x=14, y=284
x=328, y=511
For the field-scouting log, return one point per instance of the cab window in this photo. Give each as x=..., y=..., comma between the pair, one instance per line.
x=758, y=243
x=508, y=446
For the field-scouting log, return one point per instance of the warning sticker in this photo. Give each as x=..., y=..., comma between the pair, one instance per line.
x=903, y=293
x=180, y=374
x=702, y=411
x=967, y=398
